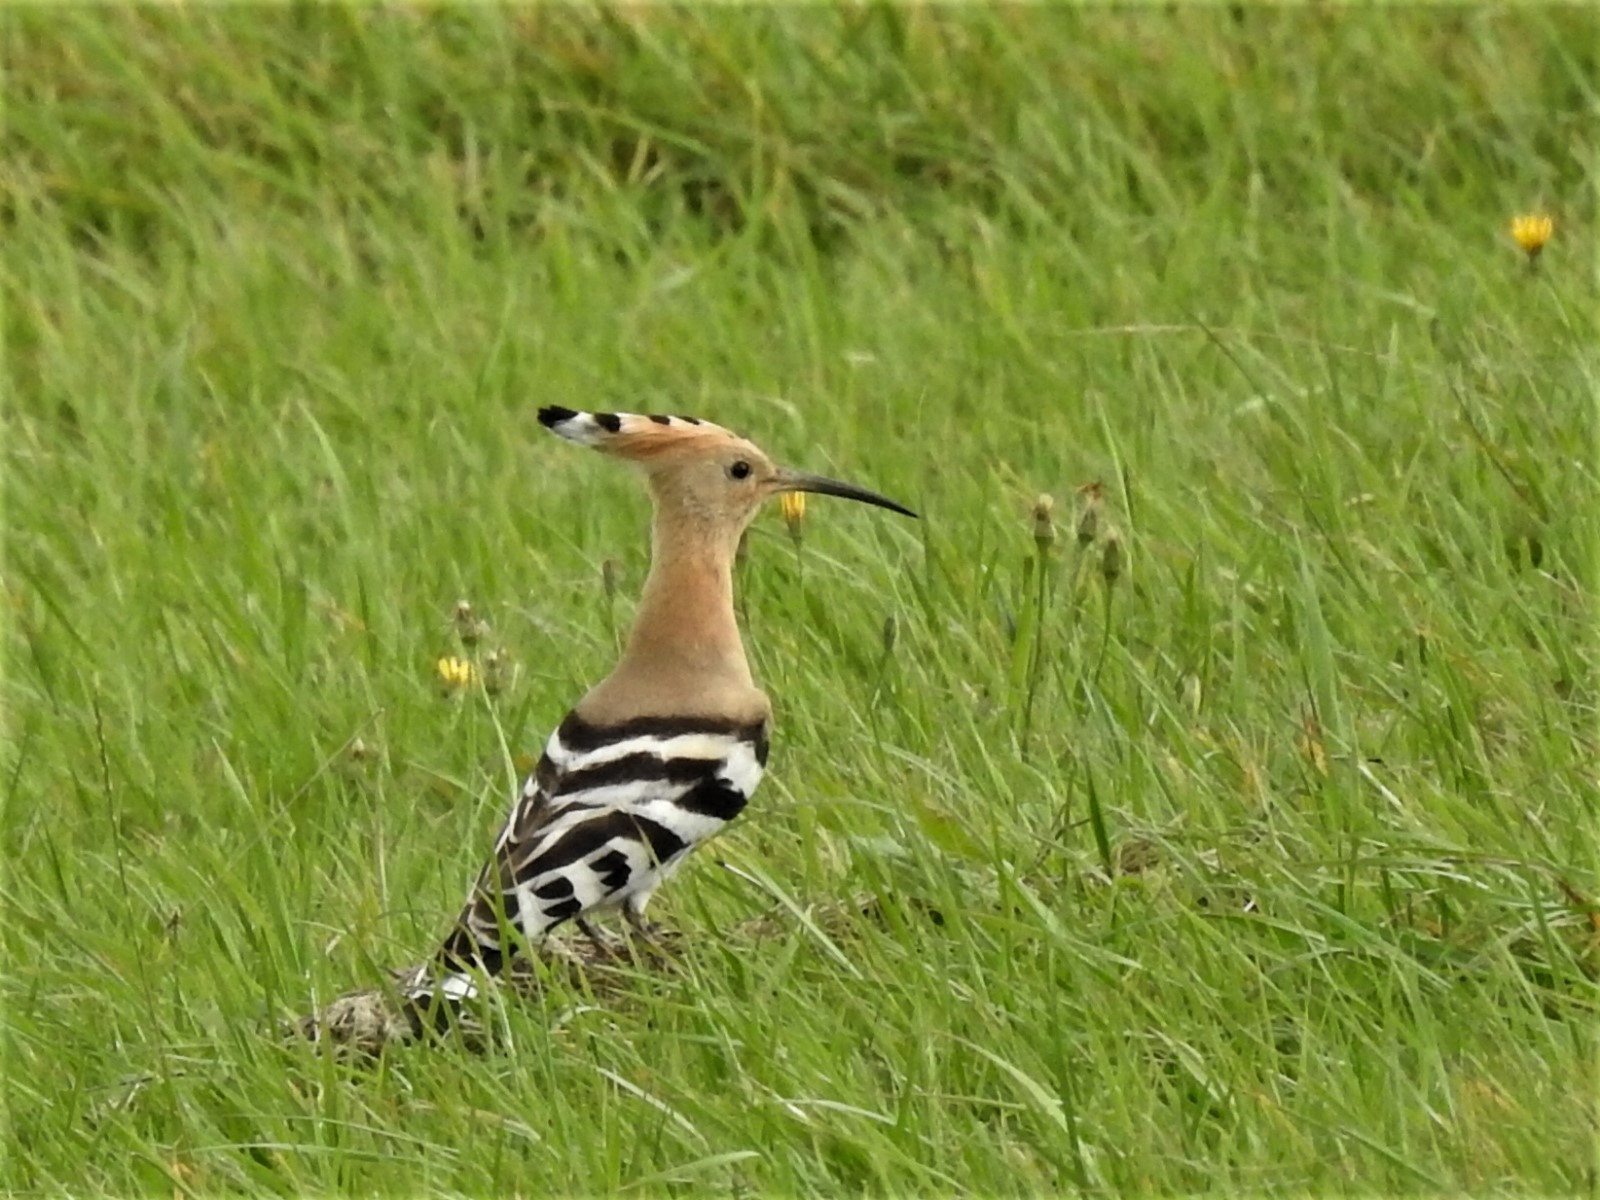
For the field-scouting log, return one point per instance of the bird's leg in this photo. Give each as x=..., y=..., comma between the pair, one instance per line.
x=648, y=931
x=598, y=939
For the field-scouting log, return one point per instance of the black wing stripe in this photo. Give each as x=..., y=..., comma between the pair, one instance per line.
x=558, y=888
x=714, y=798
x=663, y=842
x=573, y=846
x=546, y=775
x=584, y=839
x=579, y=736
x=634, y=768
x=614, y=869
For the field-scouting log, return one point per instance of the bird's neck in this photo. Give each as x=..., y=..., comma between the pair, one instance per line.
x=684, y=652
x=685, y=618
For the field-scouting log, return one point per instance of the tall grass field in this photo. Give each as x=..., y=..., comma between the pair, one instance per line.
x=1200, y=797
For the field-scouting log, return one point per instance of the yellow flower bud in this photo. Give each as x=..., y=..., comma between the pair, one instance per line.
x=793, y=507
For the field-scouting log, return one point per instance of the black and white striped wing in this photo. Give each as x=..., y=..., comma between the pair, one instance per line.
x=607, y=815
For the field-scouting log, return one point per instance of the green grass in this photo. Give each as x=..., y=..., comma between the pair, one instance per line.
x=1268, y=868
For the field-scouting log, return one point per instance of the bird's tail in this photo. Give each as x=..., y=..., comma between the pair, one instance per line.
x=435, y=991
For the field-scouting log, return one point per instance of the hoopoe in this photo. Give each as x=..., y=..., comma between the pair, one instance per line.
x=666, y=750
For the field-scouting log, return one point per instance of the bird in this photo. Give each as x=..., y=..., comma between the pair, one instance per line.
x=662, y=753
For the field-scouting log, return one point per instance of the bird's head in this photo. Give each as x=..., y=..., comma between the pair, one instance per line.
x=700, y=474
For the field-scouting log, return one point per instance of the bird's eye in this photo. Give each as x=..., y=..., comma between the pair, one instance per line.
x=740, y=469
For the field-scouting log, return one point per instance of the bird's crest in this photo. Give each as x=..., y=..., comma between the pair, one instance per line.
x=643, y=438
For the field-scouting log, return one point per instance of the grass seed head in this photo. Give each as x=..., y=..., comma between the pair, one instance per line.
x=499, y=669
x=1112, y=558
x=1044, y=526
x=469, y=629
x=1090, y=496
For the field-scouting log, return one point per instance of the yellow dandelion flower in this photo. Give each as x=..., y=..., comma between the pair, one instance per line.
x=793, y=507
x=455, y=674
x=1531, y=231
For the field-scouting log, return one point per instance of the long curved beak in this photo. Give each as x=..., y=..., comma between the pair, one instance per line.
x=801, y=481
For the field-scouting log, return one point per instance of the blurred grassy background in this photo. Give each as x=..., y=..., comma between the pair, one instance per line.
x=1269, y=866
